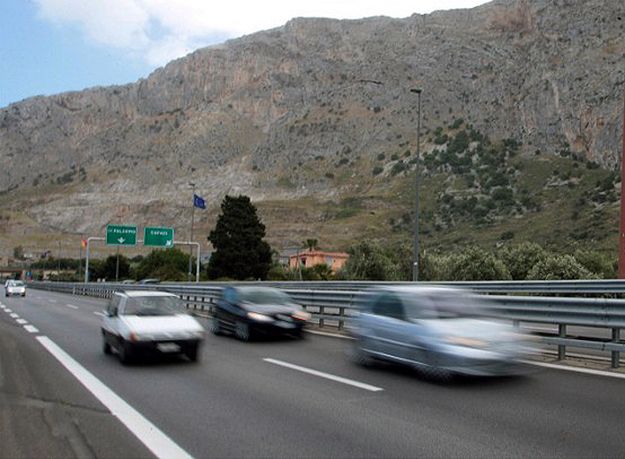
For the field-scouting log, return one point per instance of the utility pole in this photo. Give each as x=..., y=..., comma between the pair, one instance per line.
x=192, y=185
x=621, y=248
x=415, y=255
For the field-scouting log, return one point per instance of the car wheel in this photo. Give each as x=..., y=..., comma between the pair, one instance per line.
x=437, y=374
x=192, y=353
x=215, y=326
x=23, y=294
x=125, y=353
x=433, y=371
x=242, y=331
x=106, y=347
x=358, y=355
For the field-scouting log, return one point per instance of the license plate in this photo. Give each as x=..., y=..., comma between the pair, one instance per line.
x=168, y=347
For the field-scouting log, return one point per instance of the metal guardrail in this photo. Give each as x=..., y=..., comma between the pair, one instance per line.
x=335, y=307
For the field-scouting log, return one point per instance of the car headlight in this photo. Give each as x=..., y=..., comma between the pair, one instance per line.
x=301, y=315
x=466, y=342
x=259, y=317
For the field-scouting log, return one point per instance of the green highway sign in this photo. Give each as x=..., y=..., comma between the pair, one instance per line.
x=121, y=235
x=158, y=237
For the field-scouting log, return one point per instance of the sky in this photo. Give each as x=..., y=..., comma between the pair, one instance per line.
x=53, y=46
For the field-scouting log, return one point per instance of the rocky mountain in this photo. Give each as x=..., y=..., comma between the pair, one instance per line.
x=295, y=117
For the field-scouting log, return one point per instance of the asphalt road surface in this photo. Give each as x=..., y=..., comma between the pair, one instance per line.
x=274, y=398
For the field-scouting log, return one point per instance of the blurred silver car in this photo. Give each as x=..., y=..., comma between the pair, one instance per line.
x=441, y=331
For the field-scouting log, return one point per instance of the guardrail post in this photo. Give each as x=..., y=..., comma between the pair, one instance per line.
x=321, y=312
x=616, y=355
x=341, y=315
x=561, y=347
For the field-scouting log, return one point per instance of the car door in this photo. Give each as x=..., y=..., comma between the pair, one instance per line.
x=386, y=325
x=228, y=309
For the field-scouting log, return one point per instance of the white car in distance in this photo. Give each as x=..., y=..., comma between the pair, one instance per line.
x=139, y=322
x=14, y=288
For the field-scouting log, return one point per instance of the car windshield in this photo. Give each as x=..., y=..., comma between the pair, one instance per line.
x=18, y=283
x=443, y=305
x=264, y=296
x=154, y=306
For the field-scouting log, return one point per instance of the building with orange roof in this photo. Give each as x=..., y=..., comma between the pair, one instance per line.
x=310, y=258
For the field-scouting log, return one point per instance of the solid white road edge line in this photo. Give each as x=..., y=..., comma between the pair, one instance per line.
x=151, y=436
x=21, y=321
x=576, y=369
x=31, y=329
x=71, y=306
x=310, y=371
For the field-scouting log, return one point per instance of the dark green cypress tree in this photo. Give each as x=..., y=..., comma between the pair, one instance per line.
x=240, y=252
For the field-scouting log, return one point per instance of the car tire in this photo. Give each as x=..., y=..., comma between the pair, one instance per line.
x=23, y=295
x=242, y=331
x=215, y=326
x=192, y=353
x=125, y=353
x=106, y=347
x=358, y=355
x=437, y=374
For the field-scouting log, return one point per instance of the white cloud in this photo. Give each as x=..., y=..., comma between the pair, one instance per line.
x=161, y=30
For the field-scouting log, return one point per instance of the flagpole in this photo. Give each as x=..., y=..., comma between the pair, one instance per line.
x=191, y=238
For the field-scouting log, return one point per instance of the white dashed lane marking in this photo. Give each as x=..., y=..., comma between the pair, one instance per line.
x=71, y=306
x=31, y=329
x=97, y=313
x=15, y=316
x=21, y=321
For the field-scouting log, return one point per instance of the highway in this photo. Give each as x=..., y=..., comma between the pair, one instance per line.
x=274, y=398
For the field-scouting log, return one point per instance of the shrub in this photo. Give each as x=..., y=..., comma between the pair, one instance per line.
x=377, y=170
x=474, y=264
x=559, y=267
x=521, y=258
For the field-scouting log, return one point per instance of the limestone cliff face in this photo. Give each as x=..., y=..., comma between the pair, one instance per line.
x=255, y=114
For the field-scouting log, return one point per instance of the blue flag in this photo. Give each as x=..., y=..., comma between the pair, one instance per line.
x=198, y=201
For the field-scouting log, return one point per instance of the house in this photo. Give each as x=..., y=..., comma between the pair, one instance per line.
x=310, y=258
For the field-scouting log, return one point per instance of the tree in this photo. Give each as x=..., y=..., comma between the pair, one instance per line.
x=240, y=251
x=311, y=244
x=18, y=252
x=108, y=269
x=475, y=264
x=597, y=263
x=559, y=267
x=166, y=265
x=367, y=261
x=521, y=258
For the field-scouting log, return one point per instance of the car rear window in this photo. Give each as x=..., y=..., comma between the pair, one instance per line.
x=154, y=306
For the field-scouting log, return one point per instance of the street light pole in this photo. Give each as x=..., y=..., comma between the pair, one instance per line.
x=415, y=256
x=192, y=185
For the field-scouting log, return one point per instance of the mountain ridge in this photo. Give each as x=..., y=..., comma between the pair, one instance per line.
x=276, y=114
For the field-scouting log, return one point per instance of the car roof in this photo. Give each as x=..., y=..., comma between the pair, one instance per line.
x=138, y=293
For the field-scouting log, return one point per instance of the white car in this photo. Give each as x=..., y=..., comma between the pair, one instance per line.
x=139, y=322
x=14, y=287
